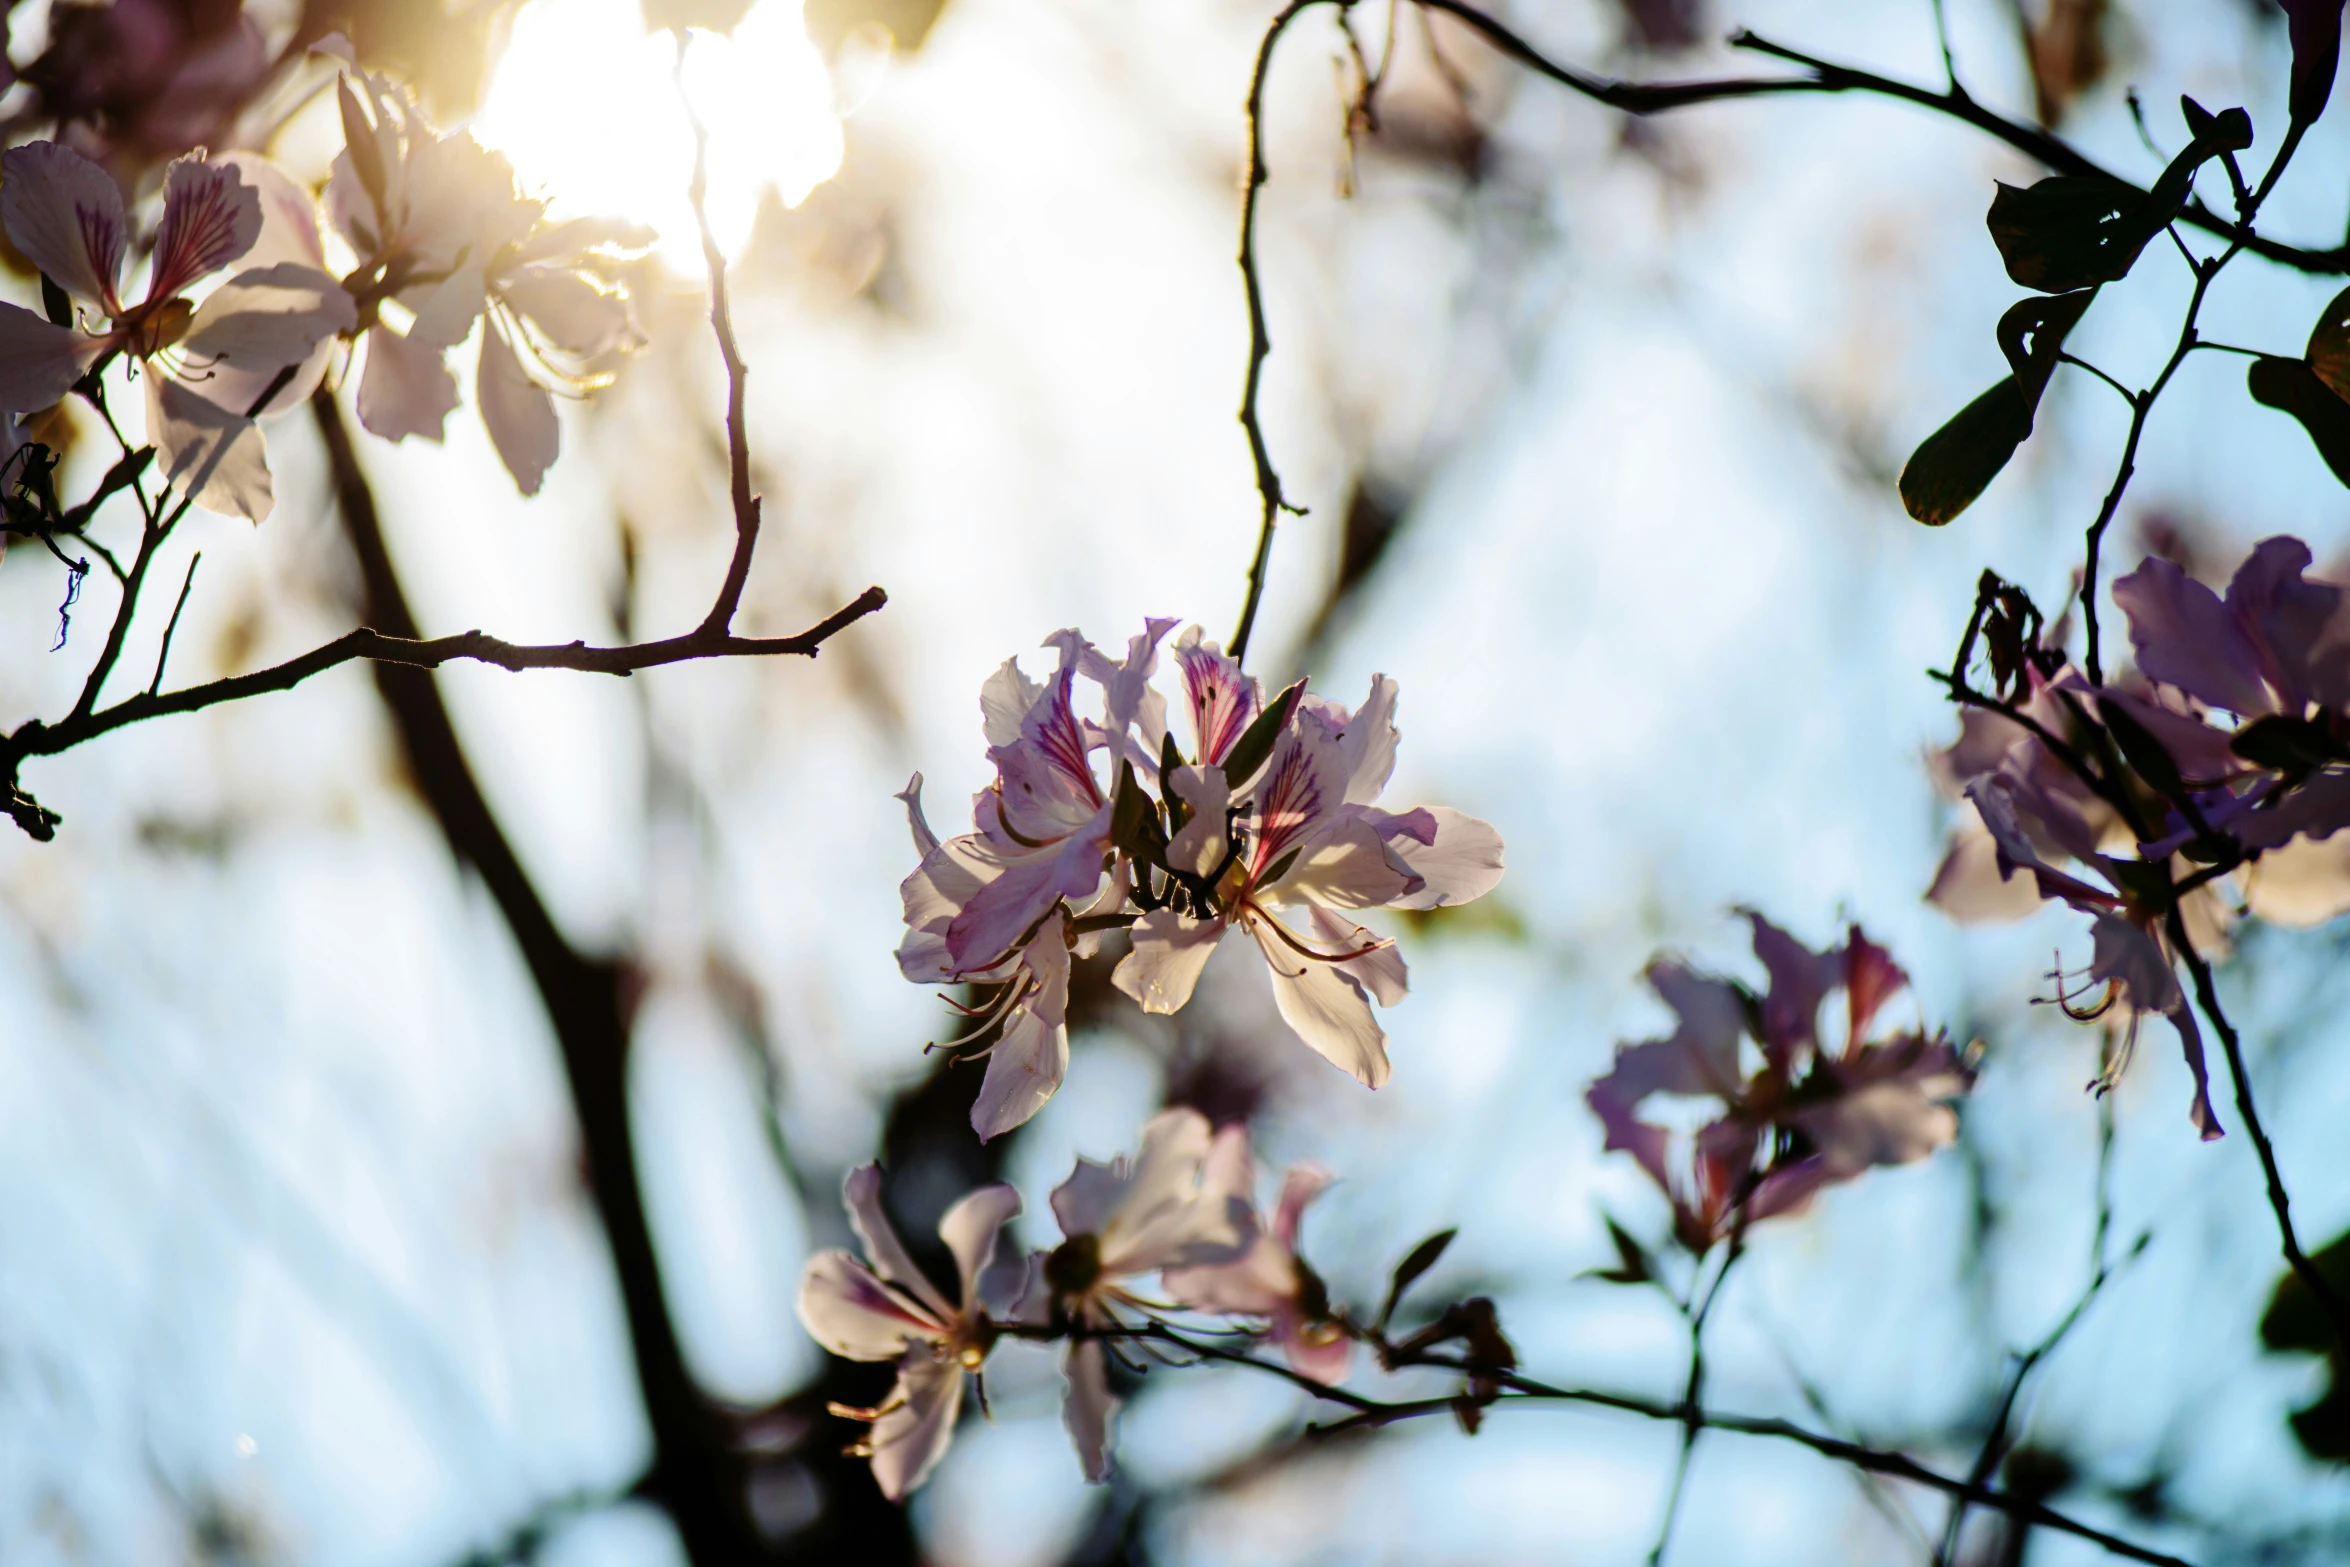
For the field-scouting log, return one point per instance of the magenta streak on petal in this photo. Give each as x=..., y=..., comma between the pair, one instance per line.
x=1064, y=745
x=1220, y=705
x=201, y=225
x=1289, y=804
x=102, y=243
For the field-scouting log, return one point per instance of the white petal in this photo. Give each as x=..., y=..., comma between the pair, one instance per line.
x=518, y=411
x=1463, y=863
x=40, y=360
x=267, y=318
x=1346, y=868
x=846, y=1309
x=1369, y=743
x=1204, y=840
x=1023, y=1072
x=65, y=213
x=1380, y=969
x=909, y=1441
x=1327, y=1009
x=970, y=1228
x=405, y=389
x=208, y=452
x=1089, y=1407
x=861, y=1194
x=573, y=314
x=289, y=216
x=446, y=313
x=2305, y=883
x=1168, y=954
x=210, y=218
x=925, y=841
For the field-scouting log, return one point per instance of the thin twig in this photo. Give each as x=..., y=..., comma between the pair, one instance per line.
x=2279, y=1202
x=163, y=654
x=738, y=440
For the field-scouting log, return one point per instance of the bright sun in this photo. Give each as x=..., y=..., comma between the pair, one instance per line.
x=584, y=104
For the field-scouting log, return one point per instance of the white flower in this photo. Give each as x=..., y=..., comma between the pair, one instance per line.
x=884, y=1309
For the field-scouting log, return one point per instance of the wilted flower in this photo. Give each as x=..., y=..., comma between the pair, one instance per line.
x=1269, y=1279
x=440, y=228
x=1181, y=1203
x=1277, y=816
x=1807, y=1112
x=883, y=1308
x=65, y=213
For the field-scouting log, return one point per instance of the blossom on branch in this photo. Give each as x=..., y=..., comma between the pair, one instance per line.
x=880, y=1307
x=441, y=230
x=206, y=365
x=1805, y=1110
x=1090, y=826
x=1181, y=1204
x=1270, y=1279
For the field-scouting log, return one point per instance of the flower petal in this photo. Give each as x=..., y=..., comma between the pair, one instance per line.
x=406, y=389
x=518, y=411
x=40, y=360
x=65, y=213
x=861, y=1194
x=210, y=218
x=2184, y=636
x=210, y=453
x=1369, y=743
x=909, y=1441
x=1327, y=1009
x=1169, y=951
x=264, y=319
x=850, y=1312
x=1461, y=865
x=1089, y=1408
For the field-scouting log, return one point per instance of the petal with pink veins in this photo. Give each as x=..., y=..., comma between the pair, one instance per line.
x=210, y=218
x=66, y=214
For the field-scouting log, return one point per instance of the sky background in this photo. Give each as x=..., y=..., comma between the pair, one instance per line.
x=288, y=1198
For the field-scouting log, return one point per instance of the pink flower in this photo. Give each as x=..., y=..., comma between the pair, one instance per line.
x=440, y=228
x=882, y=1308
x=65, y=213
x=1301, y=834
x=1810, y=1112
x=1181, y=1203
x=1269, y=1279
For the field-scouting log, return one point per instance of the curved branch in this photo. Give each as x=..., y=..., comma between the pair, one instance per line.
x=39, y=739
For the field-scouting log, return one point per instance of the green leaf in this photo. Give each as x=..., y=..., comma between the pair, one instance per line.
x=1632, y=1263
x=1248, y=753
x=56, y=303
x=1134, y=821
x=1407, y=1272
x=2291, y=385
x=2296, y=1321
x=1957, y=462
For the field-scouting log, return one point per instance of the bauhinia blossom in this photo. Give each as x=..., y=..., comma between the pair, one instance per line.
x=1809, y=1109
x=881, y=1307
x=206, y=365
x=1182, y=1203
x=1092, y=825
x=440, y=228
x=1270, y=1279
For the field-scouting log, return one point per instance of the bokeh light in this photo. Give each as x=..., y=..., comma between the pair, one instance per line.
x=585, y=103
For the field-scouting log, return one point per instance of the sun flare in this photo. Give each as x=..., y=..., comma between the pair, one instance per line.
x=585, y=104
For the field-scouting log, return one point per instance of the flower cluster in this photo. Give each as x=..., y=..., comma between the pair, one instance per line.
x=438, y=231
x=1181, y=1209
x=2226, y=753
x=1270, y=826
x=1803, y=1110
